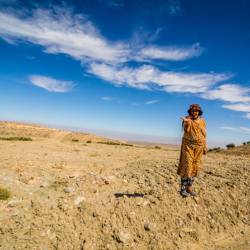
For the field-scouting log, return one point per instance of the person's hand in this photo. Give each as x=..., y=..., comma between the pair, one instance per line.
x=185, y=119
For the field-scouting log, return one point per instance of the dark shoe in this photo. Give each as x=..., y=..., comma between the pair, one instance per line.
x=192, y=193
x=184, y=193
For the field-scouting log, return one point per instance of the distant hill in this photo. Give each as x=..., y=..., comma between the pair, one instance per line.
x=8, y=129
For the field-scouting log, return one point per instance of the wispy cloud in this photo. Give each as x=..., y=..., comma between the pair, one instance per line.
x=107, y=98
x=247, y=130
x=135, y=104
x=141, y=37
x=148, y=77
x=237, y=96
x=151, y=102
x=228, y=128
x=51, y=84
x=240, y=129
x=229, y=92
x=171, y=7
x=170, y=53
x=243, y=107
x=175, y=7
x=58, y=31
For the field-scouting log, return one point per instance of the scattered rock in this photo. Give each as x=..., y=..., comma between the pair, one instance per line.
x=182, y=235
x=122, y=237
x=149, y=226
x=68, y=190
x=79, y=199
x=13, y=203
x=95, y=214
x=51, y=235
x=187, y=229
x=45, y=184
x=106, y=181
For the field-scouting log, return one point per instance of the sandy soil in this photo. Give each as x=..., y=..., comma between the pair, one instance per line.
x=77, y=195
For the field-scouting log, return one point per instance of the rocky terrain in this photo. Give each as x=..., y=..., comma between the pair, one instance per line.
x=80, y=191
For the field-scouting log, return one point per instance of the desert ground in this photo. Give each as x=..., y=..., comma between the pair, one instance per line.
x=80, y=191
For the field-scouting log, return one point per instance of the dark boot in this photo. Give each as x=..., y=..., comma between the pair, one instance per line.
x=190, y=191
x=183, y=190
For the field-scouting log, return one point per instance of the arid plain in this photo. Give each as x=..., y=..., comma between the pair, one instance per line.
x=80, y=191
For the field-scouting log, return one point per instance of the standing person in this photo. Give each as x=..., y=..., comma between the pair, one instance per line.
x=192, y=148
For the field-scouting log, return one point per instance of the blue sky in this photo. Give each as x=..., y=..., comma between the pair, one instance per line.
x=127, y=68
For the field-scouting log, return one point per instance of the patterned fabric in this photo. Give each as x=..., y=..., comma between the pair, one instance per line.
x=192, y=148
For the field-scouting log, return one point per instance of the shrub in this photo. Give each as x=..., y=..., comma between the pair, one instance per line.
x=89, y=141
x=231, y=145
x=15, y=138
x=109, y=142
x=246, y=143
x=75, y=140
x=4, y=194
x=127, y=144
x=157, y=147
x=218, y=149
x=115, y=143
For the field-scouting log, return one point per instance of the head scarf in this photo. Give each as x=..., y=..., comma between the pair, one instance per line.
x=195, y=107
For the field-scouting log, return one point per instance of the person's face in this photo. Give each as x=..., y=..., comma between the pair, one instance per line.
x=195, y=113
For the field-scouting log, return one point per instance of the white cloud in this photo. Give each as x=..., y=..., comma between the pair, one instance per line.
x=59, y=31
x=247, y=130
x=240, y=129
x=238, y=96
x=243, y=107
x=151, y=102
x=51, y=84
x=147, y=77
x=170, y=53
x=229, y=128
x=229, y=92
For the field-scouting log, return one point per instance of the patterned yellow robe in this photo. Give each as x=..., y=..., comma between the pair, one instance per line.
x=192, y=148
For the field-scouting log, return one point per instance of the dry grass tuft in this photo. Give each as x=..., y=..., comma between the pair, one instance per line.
x=4, y=194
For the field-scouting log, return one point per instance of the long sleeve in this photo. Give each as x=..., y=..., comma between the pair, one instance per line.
x=187, y=125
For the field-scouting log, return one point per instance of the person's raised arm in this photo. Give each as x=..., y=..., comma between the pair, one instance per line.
x=186, y=123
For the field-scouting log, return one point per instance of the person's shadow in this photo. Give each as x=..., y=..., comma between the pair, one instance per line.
x=133, y=195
